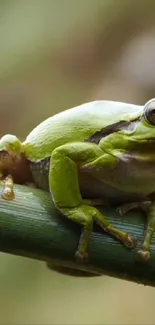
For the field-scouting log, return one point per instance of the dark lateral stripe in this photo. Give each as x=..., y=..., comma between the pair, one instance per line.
x=115, y=127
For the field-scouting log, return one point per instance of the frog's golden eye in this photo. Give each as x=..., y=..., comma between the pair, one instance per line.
x=149, y=111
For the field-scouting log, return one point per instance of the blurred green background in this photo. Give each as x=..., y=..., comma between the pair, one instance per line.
x=55, y=54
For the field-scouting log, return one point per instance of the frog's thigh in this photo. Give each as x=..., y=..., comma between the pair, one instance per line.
x=63, y=176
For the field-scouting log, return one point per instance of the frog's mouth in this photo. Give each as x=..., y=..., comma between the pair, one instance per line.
x=151, y=140
x=144, y=146
x=145, y=141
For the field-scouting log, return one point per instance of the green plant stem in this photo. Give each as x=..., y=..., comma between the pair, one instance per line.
x=30, y=226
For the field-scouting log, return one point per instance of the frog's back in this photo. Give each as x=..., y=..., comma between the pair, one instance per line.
x=75, y=124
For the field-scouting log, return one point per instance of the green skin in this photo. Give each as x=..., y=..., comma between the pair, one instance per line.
x=100, y=150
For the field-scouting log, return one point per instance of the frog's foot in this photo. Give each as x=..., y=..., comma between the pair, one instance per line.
x=148, y=207
x=8, y=192
x=143, y=255
x=85, y=215
x=130, y=241
x=81, y=257
x=82, y=215
x=142, y=205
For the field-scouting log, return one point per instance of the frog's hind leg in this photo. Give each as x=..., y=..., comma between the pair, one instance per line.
x=64, y=186
x=149, y=209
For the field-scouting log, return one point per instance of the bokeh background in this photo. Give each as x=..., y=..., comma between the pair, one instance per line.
x=55, y=54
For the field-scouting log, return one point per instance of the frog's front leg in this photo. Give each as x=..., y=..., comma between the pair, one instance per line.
x=64, y=186
x=144, y=251
x=148, y=208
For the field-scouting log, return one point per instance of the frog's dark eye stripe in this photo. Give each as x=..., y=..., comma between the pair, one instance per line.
x=115, y=127
x=149, y=112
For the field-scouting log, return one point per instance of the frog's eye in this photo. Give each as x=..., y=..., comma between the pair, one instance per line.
x=149, y=111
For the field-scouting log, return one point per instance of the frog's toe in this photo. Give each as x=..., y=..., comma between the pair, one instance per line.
x=81, y=257
x=130, y=241
x=143, y=255
x=123, y=209
x=120, y=211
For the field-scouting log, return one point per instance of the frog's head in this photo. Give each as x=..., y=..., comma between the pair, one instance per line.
x=142, y=129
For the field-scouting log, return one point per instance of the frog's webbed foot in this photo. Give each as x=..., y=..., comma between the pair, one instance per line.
x=8, y=191
x=148, y=208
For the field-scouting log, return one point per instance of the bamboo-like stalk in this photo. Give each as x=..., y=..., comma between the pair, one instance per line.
x=30, y=226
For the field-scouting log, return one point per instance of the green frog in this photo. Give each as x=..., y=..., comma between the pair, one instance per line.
x=101, y=150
